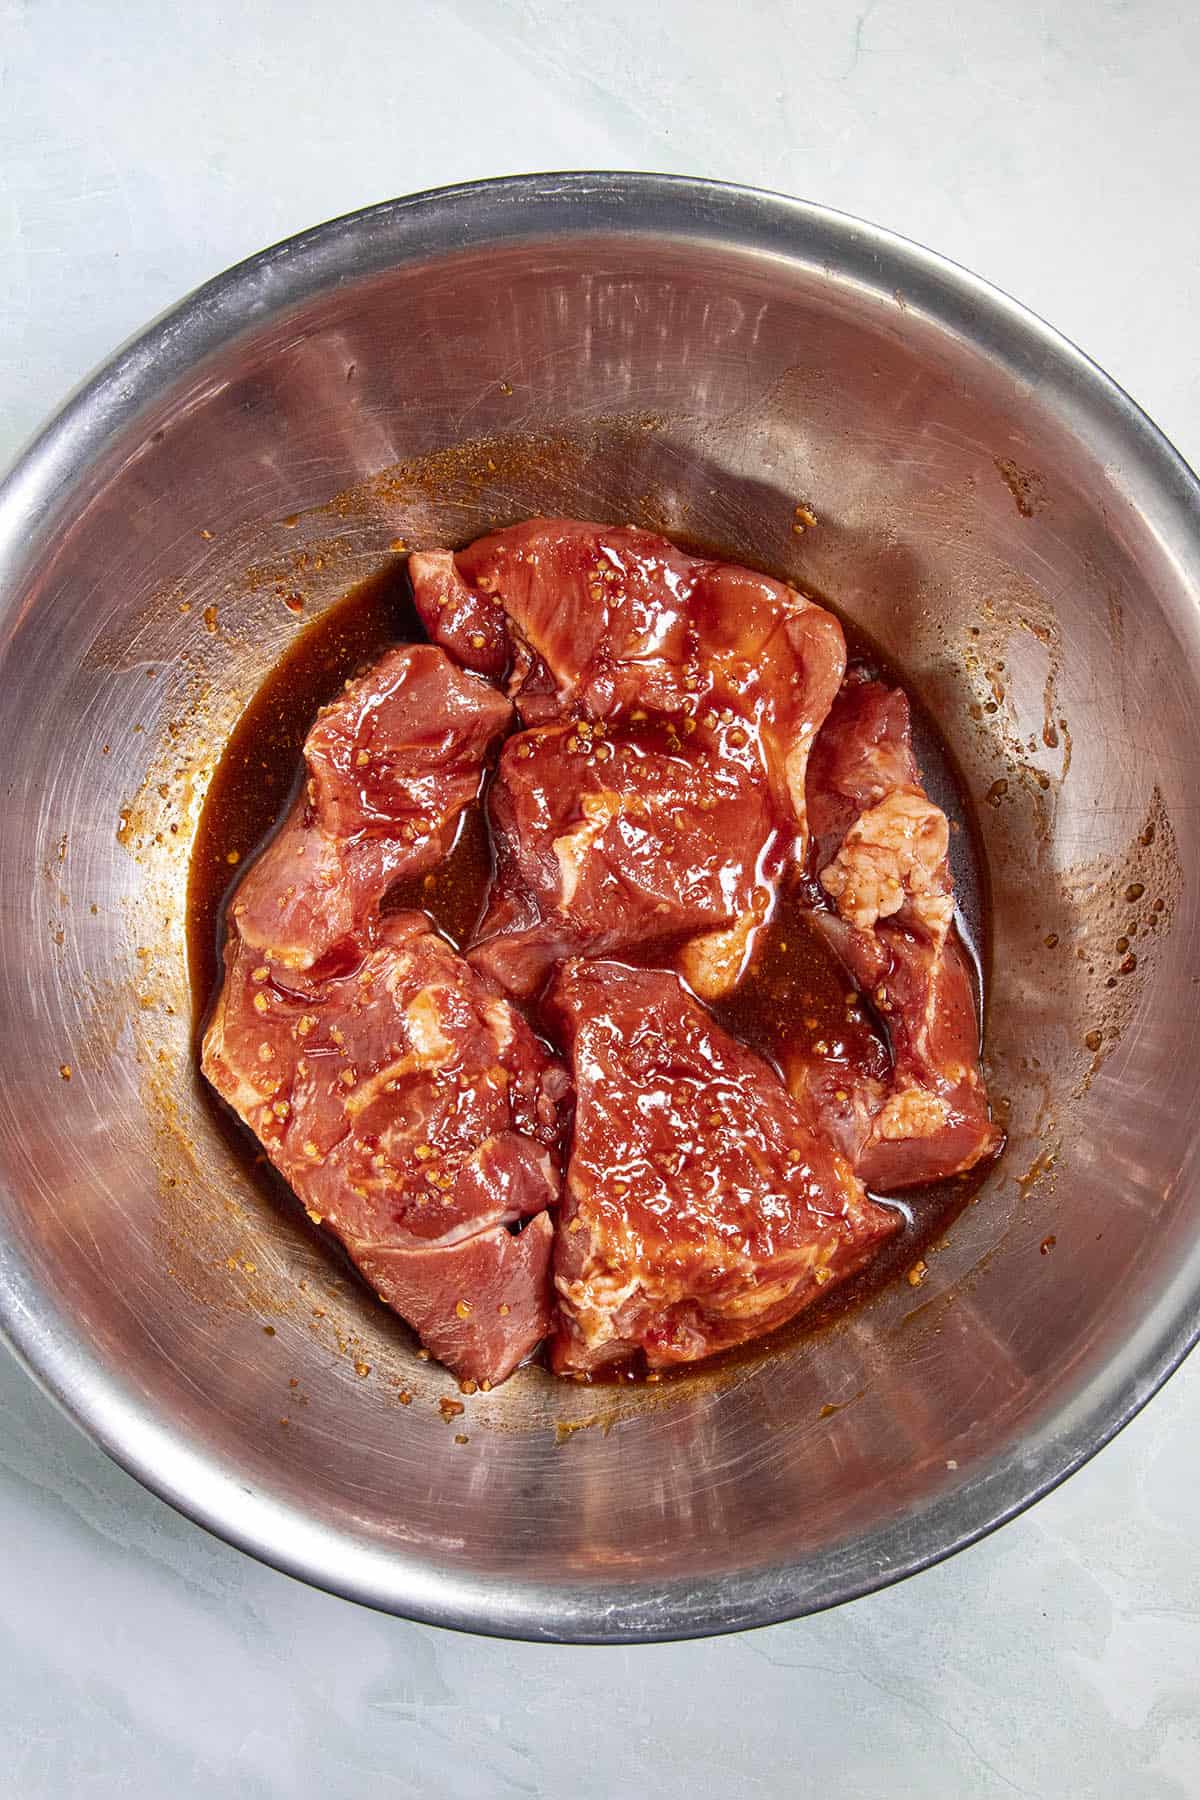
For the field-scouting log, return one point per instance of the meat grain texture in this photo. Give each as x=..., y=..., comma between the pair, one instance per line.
x=701, y=1209
x=664, y=744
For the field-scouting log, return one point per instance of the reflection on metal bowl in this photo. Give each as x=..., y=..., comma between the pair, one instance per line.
x=982, y=501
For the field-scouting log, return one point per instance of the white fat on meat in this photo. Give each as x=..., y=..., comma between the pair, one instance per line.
x=912, y=1113
x=423, y=1020
x=713, y=963
x=498, y=1014
x=242, y=1094
x=894, y=856
x=573, y=847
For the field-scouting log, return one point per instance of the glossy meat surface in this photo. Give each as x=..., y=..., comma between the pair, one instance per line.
x=880, y=855
x=607, y=620
x=700, y=1209
x=389, y=767
x=722, y=674
x=416, y=1116
x=610, y=843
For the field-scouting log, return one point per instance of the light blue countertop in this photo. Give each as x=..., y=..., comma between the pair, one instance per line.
x=1055, y=150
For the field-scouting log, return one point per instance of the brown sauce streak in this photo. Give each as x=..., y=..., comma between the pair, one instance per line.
x=454, y=894
x=794, y=978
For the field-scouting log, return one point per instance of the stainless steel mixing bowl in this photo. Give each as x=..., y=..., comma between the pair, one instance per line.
x=701, y=359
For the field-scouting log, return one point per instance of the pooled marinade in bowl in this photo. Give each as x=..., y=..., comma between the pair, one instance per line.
x=555, y=1116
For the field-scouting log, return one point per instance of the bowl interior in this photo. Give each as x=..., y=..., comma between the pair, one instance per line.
x=997, y=518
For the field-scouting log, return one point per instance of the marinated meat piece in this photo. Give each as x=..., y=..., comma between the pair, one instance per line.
x=880, y=852
x=730, y=672
x=605, y=620
x=480, y=1305
x=840, y=1090
x=470, y=624
x=864, y=753
x=604, y=844
x=934, y=1120
x=416, y=1115
x=390, y=765
x=700, y=1209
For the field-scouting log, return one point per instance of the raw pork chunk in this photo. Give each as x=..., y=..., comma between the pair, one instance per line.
x=606, y=844
x=389, y=767
x=694, y=680
x=879, y=851
x=700, y=1208
x=417, y=1117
